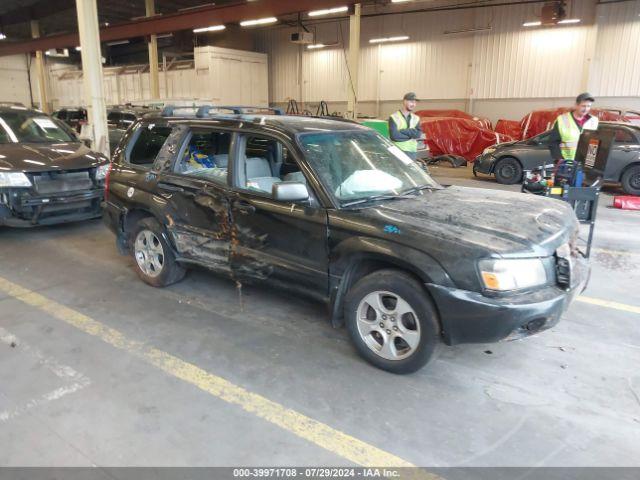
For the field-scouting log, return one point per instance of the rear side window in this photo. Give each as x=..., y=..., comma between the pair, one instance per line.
x=624, y=136
x=147, y=143
x=206, y=155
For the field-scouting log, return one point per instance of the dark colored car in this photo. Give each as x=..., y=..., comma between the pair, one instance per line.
x=47, y=175
x=508, y=160
x=74, y=117
x=334, y=211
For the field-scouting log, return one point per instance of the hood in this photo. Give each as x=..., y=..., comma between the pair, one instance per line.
x=475, y=222
x=508, y=144
x=40, y=157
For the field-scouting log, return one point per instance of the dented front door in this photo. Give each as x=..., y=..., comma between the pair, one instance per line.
x=283, y=244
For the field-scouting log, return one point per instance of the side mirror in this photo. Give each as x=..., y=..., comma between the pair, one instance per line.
x=290, y=191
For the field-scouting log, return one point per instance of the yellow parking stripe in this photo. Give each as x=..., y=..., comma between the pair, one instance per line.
x=615, y=252
x=606, y=303
x=318, y=433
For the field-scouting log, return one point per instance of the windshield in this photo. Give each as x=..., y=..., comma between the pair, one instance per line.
x=358, y=165
x=18, y=126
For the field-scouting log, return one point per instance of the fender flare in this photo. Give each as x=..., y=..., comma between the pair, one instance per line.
x=357, y=252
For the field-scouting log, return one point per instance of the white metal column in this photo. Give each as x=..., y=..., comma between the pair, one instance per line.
x=43, y=98
x=92, y=73
x=154, y=81
x=354, y=62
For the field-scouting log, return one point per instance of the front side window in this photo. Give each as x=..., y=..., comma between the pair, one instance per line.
x=357, y=165
x=24, y=126
x=263, y=162
x=147, y=144
x=206, y=155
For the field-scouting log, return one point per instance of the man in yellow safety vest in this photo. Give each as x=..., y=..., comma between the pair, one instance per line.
x=568, y=127
x=404, y=126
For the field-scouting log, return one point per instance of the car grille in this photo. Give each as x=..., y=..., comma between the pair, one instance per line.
x=48, y=183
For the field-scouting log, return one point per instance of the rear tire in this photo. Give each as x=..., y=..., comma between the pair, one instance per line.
x=508, y=171
x=392, y=322
x=154, y=261
x=631, y=180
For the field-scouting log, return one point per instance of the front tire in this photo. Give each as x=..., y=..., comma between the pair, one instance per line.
x=508, y=171
x=631, y=180
x=154, y=261
x=392, y=322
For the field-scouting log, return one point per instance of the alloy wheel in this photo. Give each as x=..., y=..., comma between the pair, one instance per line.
x=149, y=253
x=388, y=325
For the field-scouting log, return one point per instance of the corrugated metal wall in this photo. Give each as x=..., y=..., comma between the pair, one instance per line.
x=510, y=61
x=14, y=76
x=513, y=61
x=616, y=66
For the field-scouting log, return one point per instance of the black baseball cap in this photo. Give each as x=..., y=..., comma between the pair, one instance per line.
x=410, y=96
x=585, y=97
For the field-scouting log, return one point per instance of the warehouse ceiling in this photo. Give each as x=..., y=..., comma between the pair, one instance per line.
x=57, y=19
x=15, y=14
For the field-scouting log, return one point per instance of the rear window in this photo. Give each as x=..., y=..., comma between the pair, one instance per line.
x=147, y=144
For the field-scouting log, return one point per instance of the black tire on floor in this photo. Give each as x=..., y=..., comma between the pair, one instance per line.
x=170, y=271
x=631, y=180
x=508, y=171
x=405, y=286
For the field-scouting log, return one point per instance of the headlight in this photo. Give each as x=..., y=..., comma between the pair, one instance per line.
x=14, y=179
x=101, y=171
x=512, y=274
x=488, y=150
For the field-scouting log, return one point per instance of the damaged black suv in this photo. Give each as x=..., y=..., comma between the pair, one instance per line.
x=334, y=211
x=47, y=175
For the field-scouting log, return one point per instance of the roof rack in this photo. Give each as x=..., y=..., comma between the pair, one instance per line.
x=204, y=111
x=208, y=110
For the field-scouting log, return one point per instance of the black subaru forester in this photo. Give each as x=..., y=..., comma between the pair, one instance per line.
x=334, y=211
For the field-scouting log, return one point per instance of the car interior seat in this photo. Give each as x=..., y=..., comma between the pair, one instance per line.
x=258, y=174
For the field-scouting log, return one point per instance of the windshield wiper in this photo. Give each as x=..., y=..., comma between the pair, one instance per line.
x=402, y=194
x=417, y=189
x=371, y=199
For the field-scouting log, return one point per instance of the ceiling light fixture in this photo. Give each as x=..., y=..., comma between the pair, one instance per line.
x=569, y=20
x=532, y=24
x=213, y=28
x=118, y=42
x=400, y=1
x=78, y=49
x=389, y=39
x=2, y=36
x=317, y=45
x=327, y=11
x=259, y=21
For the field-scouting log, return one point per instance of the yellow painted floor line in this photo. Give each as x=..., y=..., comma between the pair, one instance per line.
x=615, y=252
x=316, y=432
x=606, y=303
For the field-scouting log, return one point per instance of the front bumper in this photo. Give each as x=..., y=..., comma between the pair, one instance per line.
x=24, y=209
x=471, y=317
x=484, y=164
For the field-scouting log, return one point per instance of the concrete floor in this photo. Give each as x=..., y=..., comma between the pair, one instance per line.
x=567, y=397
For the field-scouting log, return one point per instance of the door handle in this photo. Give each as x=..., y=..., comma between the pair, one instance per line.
x=244, y=208
x=170, y=187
